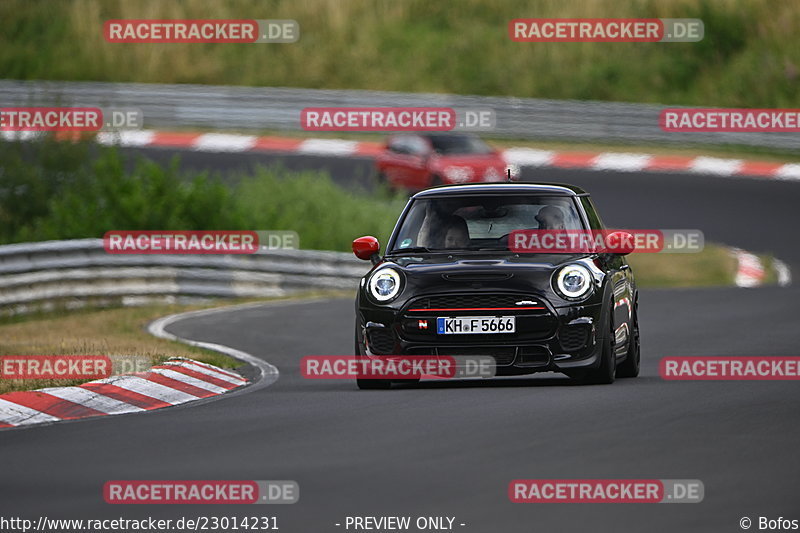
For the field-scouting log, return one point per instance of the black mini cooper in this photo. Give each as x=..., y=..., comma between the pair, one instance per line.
x=451, y=284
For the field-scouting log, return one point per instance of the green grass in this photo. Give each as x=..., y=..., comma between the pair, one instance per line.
x=749, y=56
x=51, y=190
x=714, y=266
x=119, y=333
x=116, y=333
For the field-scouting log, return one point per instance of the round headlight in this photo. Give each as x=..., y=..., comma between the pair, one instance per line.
x=384, y=284
x=574, y=281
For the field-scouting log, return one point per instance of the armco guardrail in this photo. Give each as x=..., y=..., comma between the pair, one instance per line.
x=213, y=107
x=76, y=272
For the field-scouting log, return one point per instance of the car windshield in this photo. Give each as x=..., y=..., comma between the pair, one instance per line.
x=480, y=223
x=458, y=144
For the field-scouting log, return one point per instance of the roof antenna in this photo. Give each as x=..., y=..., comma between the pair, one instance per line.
x=508, y=171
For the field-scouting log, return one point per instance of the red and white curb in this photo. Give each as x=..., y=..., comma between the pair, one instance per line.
x=174, y=382
x=750, y=271
x=623, y=162
x=527, y=157
x=227, y=142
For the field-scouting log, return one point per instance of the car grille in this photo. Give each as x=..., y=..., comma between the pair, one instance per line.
x=470, y=301
x=381, y=341
x=534, y=319
x=573, y=337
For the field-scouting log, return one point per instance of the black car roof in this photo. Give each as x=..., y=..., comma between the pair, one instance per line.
x=551, y=189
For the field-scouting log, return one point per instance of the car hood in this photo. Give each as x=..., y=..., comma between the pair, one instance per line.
x=441, y=273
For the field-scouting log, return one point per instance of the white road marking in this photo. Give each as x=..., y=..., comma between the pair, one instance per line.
x=529, y=157
x=328, y=147
x=189, y=380
x=16, y=415
x=92, y=400
x=621, y=162
x=714, y=165
x=223, y=142
x=126, y=138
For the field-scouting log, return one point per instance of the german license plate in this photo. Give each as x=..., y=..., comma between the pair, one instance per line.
x=475, y=324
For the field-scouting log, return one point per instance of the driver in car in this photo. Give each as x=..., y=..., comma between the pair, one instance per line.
x=550, y=217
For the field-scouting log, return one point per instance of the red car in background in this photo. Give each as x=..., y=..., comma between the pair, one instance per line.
x=417, y=161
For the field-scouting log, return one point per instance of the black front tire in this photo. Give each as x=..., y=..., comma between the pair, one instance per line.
x=629, y=368
x=369, y=384
x=604, y=374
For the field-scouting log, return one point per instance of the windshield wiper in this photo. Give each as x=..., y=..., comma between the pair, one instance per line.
x=411, y=250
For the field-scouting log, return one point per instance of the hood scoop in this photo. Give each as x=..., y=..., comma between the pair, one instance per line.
x=482, y=262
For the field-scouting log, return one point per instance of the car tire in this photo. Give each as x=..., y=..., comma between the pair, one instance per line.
x=436, y=180
x=605, y=373
x=369, y=384
x=629, y=368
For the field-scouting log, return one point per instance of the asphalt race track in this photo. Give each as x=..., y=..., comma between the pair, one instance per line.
x=450, y=449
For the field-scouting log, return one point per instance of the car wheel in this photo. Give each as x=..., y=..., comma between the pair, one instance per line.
x=604, y=374
x=630, y=366
x=369, y=384
x=436, y=181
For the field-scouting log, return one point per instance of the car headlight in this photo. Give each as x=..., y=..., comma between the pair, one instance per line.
x=574, y=281
x=384, y=284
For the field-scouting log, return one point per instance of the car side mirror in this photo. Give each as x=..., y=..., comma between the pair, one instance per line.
x=620, y=243
x=367, y=248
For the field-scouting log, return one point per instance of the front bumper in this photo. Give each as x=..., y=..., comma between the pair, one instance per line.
x=546, y=338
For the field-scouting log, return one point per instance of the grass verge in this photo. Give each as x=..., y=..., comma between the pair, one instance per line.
x=53, y=190
x=116, y=333
x=715, y=266
x=746, y=58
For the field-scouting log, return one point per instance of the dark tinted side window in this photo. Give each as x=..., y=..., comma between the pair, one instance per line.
x=398, y=145
x=408, y=144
